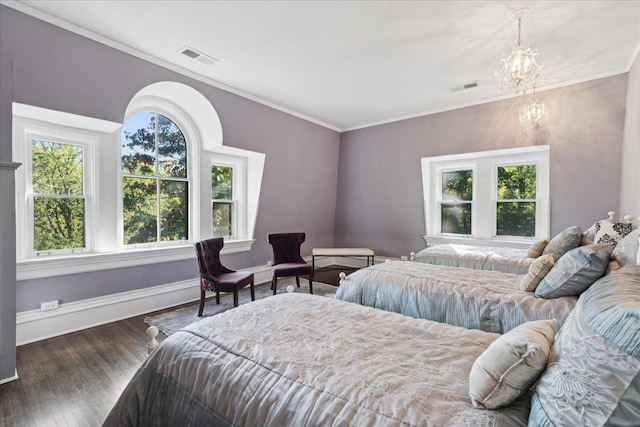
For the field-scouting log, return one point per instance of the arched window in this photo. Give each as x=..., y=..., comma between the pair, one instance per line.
x=155, y=180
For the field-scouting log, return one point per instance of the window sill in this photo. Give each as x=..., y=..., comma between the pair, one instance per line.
x=502, y=243
x=82, y=263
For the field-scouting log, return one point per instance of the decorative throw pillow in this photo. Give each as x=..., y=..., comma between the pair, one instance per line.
x=575, y=271
x=593, y=369
x=613, y=266
x=536, y=248
x=588, y=236
x=511, y=364
x=537, y=271
x=563, y=242
x=610, y=233
x=626, y=251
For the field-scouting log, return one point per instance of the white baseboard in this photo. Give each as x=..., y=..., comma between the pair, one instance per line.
x=9, y=379
x=36, y=325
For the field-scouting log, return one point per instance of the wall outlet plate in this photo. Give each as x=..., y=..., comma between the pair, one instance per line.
x=49, y=305
x=269, y=263
x=404, y=258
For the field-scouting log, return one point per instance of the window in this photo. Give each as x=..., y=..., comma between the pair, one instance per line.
x=223, y=203
x=155, y=184
x=132, y=194
x=516, y=201
x=456, y=203
x=57, y=196
x=491, y=195
x=56, y=202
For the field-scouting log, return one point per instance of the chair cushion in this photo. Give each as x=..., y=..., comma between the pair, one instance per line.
x=232, y=281
x=291, y=269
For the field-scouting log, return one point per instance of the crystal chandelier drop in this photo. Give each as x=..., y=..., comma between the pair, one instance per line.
x=521, y=67
x=534, y=115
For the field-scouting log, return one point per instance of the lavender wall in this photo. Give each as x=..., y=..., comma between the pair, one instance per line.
x=630, y=185
x=59, y=70
x=380, y=202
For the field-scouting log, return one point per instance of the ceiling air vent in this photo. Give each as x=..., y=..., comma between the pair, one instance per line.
x=465, y=86
x=198, y=56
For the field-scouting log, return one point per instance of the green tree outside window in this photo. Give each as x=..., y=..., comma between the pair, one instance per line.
x=155, y=188
x=58, y=196
x=222, y=204
x=457, y=201
x=516, y=201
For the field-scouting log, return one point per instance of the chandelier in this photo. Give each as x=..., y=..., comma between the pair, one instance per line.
x=521, y=67
x=534, y=115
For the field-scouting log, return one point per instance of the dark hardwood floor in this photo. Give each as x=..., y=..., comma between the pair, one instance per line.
x=75, y=379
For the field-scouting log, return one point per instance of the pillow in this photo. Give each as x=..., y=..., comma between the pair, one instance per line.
x=626, y=251
x=511, y=364
x=593, y=372
x=610, y=233
x=613, y=266
x=535, y=250
x=575, y=271
x=537, y=271
x=563, y=242
x=588, y=236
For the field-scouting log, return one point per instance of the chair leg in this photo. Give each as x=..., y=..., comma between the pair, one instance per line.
x=253, y=291
x=275, y=284
x=298, y=281
x=217, y=297
x=235, y=298
x=201, y=303
x=310, y=284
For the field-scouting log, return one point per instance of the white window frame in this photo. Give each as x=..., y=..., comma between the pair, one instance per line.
x=104, y=249
x=438, y=194
x=180, y=118
x=25, y=130
x=239, y=187
x=485, y=165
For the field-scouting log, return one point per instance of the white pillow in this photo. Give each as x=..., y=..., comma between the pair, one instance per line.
x=610, y=233
x=511, y=364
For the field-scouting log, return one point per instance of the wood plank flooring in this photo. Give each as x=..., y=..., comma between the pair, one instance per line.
x=75, y=379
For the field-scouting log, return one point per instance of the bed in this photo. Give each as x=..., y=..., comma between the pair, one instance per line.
x=305, y=360
x=487, y=300
x=516, y=260
x=507, y=260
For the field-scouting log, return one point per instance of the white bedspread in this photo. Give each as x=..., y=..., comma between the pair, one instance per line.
x=507, y=260
x=304, y=360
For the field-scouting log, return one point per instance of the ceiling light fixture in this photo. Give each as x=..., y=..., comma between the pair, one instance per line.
x=534, y=115
x=521, y=67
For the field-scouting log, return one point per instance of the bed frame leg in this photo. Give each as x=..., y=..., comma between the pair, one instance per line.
x=152, y=333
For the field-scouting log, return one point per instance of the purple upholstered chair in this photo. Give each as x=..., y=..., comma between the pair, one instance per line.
x=287, y=260
x=217, y=278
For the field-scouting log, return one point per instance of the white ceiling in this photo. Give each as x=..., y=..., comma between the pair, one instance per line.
x=349, y=64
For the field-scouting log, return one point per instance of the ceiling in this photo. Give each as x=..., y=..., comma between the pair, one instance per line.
x=351, y=64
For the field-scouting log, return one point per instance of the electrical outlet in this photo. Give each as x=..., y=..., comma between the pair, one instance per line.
x=49, y=305
x=404, y=258
x=269, y=263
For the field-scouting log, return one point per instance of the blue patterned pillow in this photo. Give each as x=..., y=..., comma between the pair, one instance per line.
x=575, y=271
x=563, y=242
